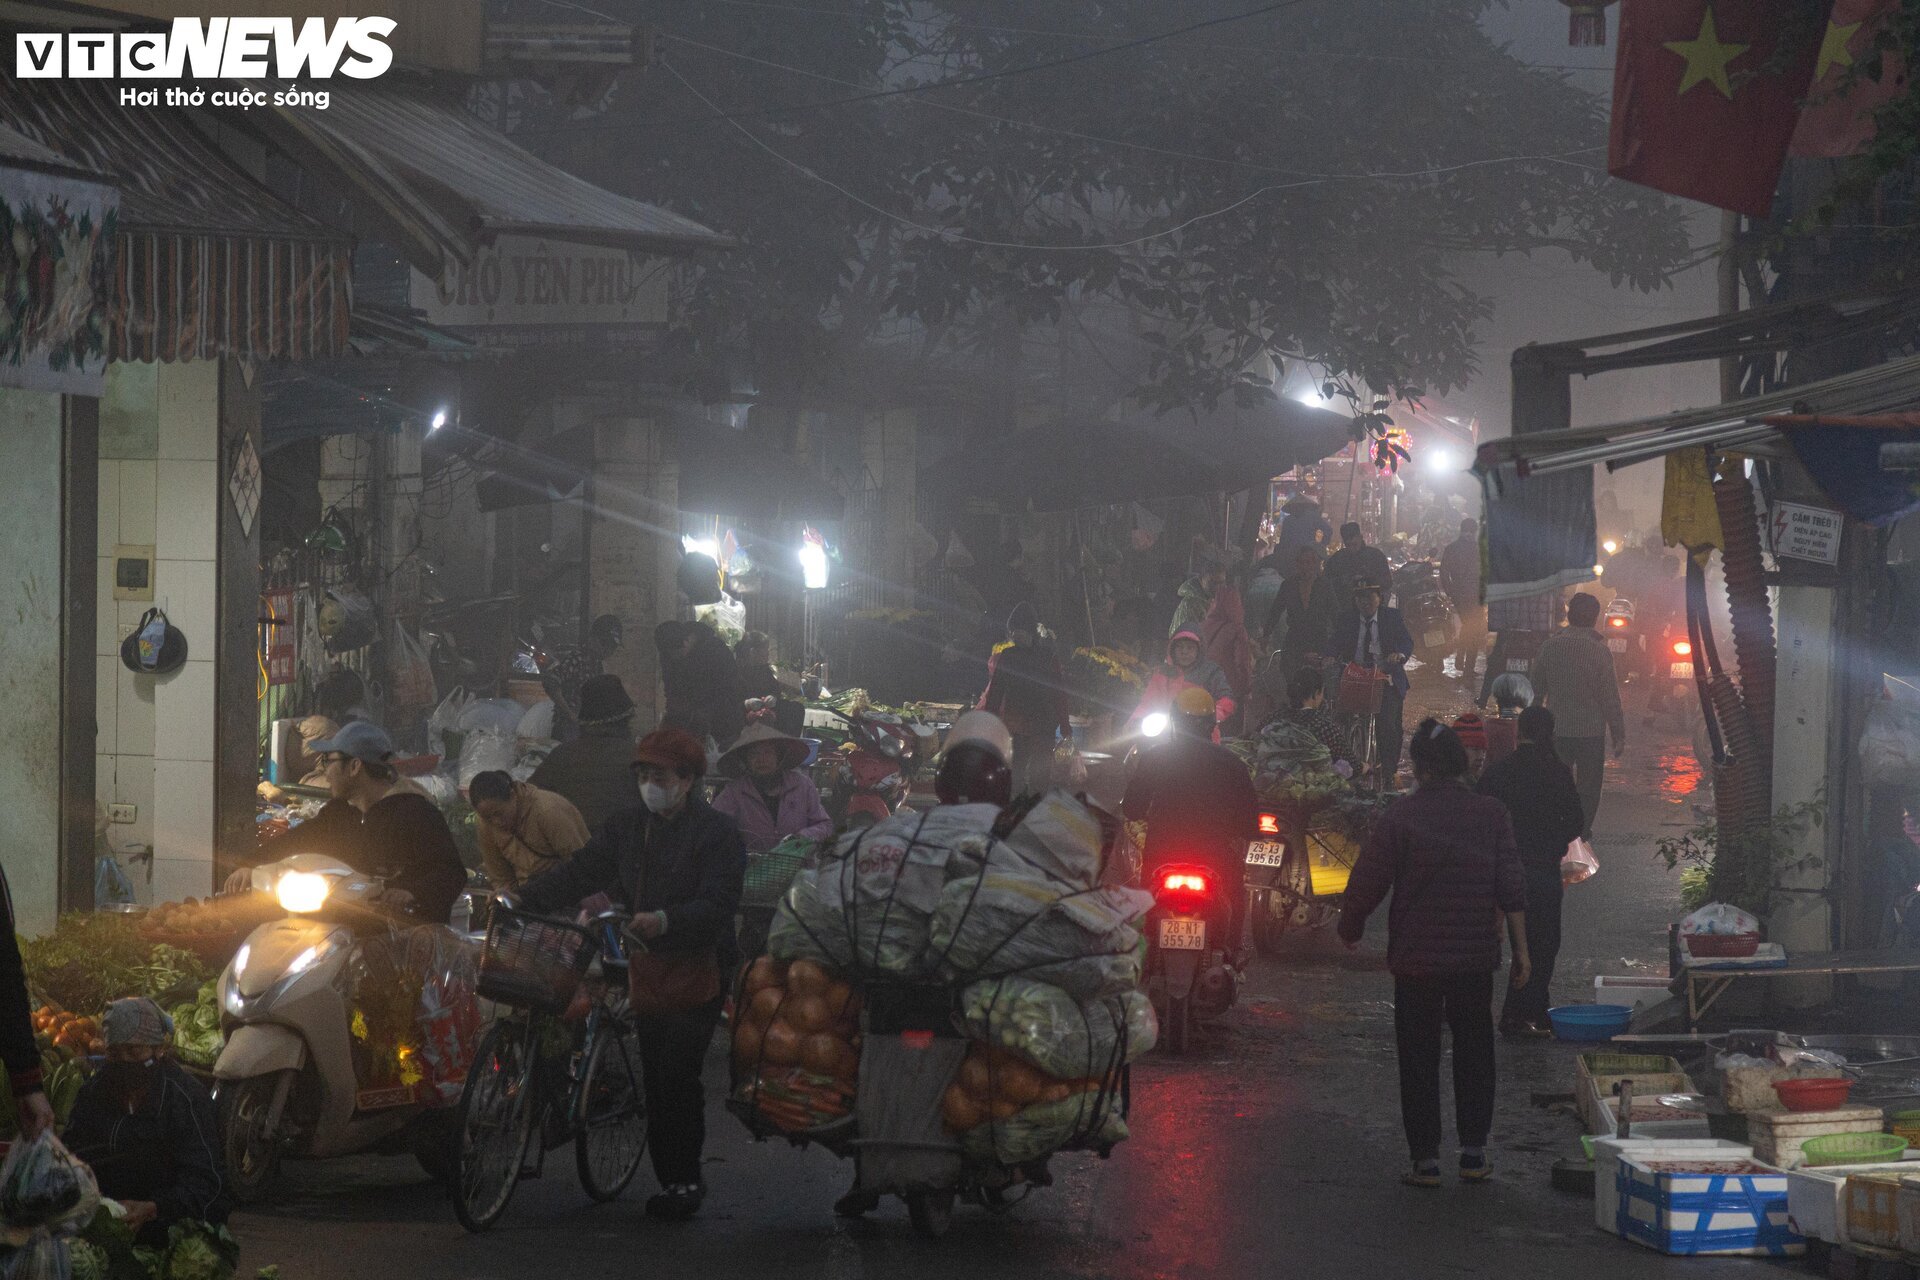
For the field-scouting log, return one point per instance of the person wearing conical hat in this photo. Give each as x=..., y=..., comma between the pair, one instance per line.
x=768, y=792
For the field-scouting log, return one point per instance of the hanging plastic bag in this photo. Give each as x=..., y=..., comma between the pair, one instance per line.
x=410, y=683
x=46, y=1197
x=1720, y=918
x=1579, y=863
x=445, y=719
x=347, y=621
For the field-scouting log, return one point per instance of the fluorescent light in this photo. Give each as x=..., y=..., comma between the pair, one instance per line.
x=1441, y=460
x=705, y=546
x=813, y=565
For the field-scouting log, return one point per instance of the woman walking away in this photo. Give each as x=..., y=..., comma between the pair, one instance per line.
x=677, y=864
x=1448, y=857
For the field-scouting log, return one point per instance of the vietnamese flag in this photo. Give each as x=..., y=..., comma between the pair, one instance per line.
x=1835, y=123
x=1699, y=108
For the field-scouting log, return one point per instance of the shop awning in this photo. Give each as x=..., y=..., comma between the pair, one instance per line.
x=721, y=473
x=1089, y=462
x=442, y=182
x=209, y=262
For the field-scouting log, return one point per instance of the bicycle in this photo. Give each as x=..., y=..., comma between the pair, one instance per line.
x=527, y=1085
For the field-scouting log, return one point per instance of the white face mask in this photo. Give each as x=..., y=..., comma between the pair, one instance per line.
x=662, y=797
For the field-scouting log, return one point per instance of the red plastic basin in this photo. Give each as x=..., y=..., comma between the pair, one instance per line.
x=1813, y=1095
x=1724, y=945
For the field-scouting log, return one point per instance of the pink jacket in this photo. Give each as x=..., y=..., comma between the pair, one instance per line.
x=798, y=812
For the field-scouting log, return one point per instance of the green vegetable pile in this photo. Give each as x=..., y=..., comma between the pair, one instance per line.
x=194, y=1251
x=196, y=1028
x=91, y=959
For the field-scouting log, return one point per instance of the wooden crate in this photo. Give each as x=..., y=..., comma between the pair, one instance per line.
x=1777, y=1136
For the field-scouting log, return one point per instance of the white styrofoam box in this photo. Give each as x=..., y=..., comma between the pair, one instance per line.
x=1599, y=1106
x=1632, y=989
x=1906, y=1212
x=1872, y=1209
x=1817, y=1199
x=1605, y=1114
x=1778, y=1136
x=1607, y=1153
x=1700, y=1214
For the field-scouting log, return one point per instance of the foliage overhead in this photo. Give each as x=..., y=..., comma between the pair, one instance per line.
x=1301, y=183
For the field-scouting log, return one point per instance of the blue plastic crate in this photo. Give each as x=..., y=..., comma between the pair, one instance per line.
x=1685, y=1214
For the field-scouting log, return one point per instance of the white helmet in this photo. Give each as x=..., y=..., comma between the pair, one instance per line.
x=982, y=727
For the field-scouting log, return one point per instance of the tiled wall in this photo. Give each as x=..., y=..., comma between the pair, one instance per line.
x=160, y=485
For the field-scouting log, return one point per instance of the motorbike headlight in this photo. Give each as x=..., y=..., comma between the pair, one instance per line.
x=1154, y=725
x=301, y=892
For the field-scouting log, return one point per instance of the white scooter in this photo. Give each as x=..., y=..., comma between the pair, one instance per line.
x=286, y=1083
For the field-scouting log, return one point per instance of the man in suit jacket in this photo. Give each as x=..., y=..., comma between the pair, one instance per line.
x=1374, y=636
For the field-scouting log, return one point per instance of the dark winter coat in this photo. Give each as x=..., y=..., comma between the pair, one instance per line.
x=1028, y=691
x=594, y=771
x=1448, y=857
x=702, y=685
x=174, y=1126
x=17, y=1049
x=1343, y=641
x=689, y=866
x=1537, y=789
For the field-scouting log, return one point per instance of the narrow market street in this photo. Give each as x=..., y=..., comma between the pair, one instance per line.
x=1274, y=1151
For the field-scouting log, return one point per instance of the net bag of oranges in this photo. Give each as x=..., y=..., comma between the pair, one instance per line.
x=796, y=1046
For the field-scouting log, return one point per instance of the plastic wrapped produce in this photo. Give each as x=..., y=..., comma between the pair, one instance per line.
x=1014, y=920
x=862, y=904
x=1057, y=1034
x=47, y=1196
x=1007, y=1111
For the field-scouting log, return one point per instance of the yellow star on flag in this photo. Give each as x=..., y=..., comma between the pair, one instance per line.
x=1707, y=57
x=1833, y=49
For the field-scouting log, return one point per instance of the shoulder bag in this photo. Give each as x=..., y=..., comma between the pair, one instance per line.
x=661, y=983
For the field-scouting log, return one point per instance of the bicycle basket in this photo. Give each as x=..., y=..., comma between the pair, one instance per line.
x=769, y=874
x=531, y=963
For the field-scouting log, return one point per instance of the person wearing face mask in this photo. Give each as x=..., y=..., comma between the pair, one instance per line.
x=148, y=1129
x=678, y=864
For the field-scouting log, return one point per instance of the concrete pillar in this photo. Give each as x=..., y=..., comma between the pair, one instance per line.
x=633, y=547
x=237, y=690
x=32, y=600
x=889, y=447
x=1802, y=917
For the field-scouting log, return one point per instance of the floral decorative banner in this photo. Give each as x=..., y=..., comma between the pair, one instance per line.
x=56, y=272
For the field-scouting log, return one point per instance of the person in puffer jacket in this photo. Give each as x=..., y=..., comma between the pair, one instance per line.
x=1186, y=667
x=1448, y=857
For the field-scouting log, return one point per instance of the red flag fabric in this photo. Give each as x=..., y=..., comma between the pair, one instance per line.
x=1699, y=109
x=1835, y=123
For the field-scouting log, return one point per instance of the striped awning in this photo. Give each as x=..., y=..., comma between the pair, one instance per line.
x=210, y=262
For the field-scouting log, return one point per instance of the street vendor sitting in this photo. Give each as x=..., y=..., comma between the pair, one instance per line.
x=523, y=830
x=148, y=1128
x=768, y=795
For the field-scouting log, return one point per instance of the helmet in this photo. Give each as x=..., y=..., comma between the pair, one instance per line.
x=974, y=767
x=1512, y=692
x=1193, y=701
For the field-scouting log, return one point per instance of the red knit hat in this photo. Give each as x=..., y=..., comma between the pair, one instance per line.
x=1472, y=730
x=671, y=748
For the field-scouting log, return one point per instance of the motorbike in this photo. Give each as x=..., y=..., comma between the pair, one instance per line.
x=1190, y=955
x=285, y=1083
x=1294, y=880
x=870, y=778
x=1624, y=641
x=1427, y=610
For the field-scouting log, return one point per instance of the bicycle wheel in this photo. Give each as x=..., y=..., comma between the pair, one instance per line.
x=610, y=1111
x=493, y=1126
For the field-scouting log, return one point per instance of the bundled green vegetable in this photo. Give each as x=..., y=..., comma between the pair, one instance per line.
x=91, y=959
x=196, y=1028
x=1062, y=1037
x=1084, y=1120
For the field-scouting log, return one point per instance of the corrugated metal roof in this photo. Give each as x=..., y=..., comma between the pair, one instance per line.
x=19, y=151
x=451, y=161
x=171, y=179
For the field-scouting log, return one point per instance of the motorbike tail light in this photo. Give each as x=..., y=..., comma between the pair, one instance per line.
x=1616, y=622
x=1269, y=824
x=1682, y=648
x=1184, y=882
x=918, y=1040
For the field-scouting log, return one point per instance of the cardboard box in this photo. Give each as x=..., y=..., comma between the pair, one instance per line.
x=1873, y=1216
x=1676, y=1207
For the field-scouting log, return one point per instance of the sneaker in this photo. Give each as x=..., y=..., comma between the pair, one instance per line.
x=1474, y=1168
x=1425, y=1173
x=677, y=1203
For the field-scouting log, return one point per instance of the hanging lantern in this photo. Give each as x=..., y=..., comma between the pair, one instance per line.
x=1587, y=22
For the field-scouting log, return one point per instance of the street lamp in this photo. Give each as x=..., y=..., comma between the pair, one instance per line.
x=439, y=421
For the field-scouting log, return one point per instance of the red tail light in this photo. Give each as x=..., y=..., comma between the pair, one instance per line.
x=1616, y=622
x=1269, y=824
x=1184, y=882
x=918, y=1040
x=1682, y=649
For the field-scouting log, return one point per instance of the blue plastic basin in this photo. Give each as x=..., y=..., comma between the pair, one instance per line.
x=1590, y=1023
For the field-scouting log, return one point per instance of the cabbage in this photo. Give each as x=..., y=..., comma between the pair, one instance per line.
x=87, y=1260
x=197, y=1251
